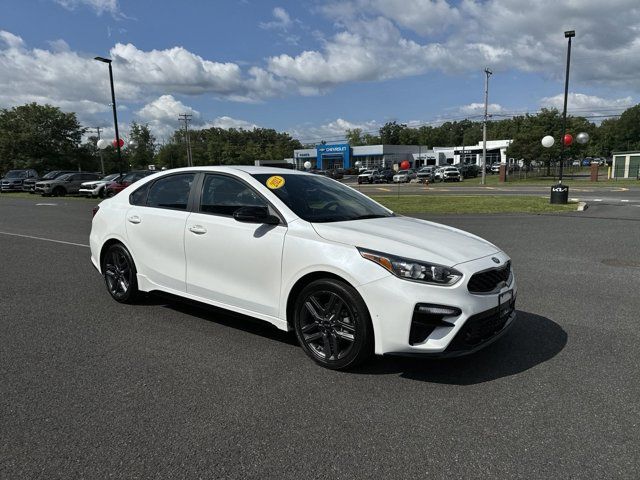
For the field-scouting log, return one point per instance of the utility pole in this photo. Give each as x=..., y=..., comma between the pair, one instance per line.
x=487, y=73
x=98, y=130
x=186, y=118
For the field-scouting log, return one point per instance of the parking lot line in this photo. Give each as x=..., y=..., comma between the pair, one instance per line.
x=44, y=239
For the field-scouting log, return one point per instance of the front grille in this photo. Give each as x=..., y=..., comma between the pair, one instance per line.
x=490, y=280
x=481, y=327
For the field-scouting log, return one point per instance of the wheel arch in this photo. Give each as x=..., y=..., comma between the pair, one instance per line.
x=305, y=280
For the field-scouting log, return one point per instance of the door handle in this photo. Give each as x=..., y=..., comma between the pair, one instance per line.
x=198, y=229
x=134, y=219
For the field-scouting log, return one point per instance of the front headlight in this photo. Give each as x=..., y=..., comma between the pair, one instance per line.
x=413, y=269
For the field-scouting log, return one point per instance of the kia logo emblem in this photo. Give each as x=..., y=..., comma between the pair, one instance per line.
x=495, y=260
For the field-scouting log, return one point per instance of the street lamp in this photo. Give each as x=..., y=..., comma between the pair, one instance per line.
x=559, y=192
x=113, y=104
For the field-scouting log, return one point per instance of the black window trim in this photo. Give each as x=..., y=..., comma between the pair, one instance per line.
x=195, y=207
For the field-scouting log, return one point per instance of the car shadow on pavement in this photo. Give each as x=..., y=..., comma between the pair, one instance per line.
x=531, y=340
x=219, y=315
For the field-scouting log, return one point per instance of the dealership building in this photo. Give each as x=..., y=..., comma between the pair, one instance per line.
x=343, y=155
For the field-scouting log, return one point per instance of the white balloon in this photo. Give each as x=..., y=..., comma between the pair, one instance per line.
x=358, y=164
x=102, y=144
x=582, y=137
x=548, y=141
x=132, y=144
x=307, y=165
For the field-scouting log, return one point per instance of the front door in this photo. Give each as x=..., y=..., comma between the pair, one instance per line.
x=229, y=262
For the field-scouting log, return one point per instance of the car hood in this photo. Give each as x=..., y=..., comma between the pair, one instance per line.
x=93, y=183
x=48, y=182
x=409, y=237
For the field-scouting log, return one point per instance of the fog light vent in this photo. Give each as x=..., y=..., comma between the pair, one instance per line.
x=427, y=317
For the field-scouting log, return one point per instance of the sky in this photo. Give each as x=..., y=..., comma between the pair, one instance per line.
x=314, y=68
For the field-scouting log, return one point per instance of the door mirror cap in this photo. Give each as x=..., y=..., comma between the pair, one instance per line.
x=255, y=215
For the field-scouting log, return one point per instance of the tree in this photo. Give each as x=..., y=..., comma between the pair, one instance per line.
x=142, y=152
x=390, y=133
x=354, y=137
x=41, y=137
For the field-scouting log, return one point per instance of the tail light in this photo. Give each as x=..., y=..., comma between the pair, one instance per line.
x=95, y=210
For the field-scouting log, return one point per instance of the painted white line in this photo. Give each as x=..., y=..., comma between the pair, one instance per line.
x=624, y=200
x=597, y=199
x=44, y=239
x=46, y=204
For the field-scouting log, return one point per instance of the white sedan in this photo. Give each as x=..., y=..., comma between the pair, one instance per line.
x=309, y=254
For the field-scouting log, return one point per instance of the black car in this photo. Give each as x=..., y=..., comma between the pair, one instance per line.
x=29, y=185
x=383, y=176
x=14, y=179
x=469, y=170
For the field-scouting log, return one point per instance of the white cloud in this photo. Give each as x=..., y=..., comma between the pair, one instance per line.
x=162, y=116
x=100, y=6
x=331, y=131
x=478, y=109
x=281, y=20
x=587, y=105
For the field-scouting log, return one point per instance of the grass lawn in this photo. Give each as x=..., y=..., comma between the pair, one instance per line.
x=470, y=204
x=492, y=181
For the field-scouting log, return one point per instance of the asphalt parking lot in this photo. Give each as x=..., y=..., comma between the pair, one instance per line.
x=94, y=389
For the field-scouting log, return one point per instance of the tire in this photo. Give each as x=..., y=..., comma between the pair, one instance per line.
x=348, y=338
x=109, y=194
x=59, y=192
x=101, y=192
x=119, y=273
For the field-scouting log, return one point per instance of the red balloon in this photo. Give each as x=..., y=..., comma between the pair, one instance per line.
x=568, y=139
x=405, y=165
x=115, y=145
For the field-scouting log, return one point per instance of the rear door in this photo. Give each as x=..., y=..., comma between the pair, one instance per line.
x=155, y=225
x=229, y=262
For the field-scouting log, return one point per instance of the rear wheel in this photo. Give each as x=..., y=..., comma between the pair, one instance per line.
x=59, y=192
x=120, y=274
x=333, y=325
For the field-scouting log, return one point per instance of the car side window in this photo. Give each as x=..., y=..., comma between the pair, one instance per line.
x=171, y=191
x=223, y=195
x=139, y=196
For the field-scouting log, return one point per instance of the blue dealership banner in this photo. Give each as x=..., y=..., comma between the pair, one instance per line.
x=334, y=151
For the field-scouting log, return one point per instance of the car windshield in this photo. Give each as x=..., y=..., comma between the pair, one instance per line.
x=403, y=172
x=110, y=178
x=368, y=172
x=51, y=175
x=66, y=176
x=16, y=174
x=320, y=199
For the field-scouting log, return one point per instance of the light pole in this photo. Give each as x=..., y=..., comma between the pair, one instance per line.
x=113, y=104
x=487, y=72
x=562, y=191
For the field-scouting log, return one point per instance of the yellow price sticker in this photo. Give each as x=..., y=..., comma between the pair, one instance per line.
x=275, y=182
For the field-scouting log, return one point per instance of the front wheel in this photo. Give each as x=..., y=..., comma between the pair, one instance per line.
x=120, y=274
x=333, y=325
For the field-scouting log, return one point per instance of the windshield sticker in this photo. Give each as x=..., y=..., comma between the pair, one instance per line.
x=275, y=182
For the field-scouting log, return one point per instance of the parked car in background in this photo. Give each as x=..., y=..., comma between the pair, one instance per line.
x=14, y=179
x=426, y=174
x=404, y=176
x=448, y=174
x=367, y=176
x=307, y=254
x=29, y=185
x=334, y=173
x=383, y=176
x=587, y=161
x=469, y=170
x=495, y=168
x=66, y=184
x=95, y=188
x=112, y=188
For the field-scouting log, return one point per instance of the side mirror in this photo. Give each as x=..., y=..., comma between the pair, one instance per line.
x=255, y=215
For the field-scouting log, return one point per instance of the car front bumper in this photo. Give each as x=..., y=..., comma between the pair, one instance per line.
x=392, y=303
x=89, y=192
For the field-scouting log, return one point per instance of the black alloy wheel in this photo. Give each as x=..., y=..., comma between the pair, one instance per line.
x=59, y=192
x=120, y=274
x=332, y=324
x=101, y=192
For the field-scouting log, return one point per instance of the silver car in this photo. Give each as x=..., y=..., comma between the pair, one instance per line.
x=65, y=184
x=96, y=188
x=404, y=176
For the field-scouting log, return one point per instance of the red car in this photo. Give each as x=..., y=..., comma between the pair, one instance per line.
x=115, y=187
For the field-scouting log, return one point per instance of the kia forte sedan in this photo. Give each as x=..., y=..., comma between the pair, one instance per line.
x=307, y=254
